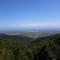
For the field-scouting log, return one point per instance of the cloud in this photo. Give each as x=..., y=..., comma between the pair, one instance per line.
x=40, y=24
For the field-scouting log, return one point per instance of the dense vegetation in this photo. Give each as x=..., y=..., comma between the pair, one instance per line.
x=44, y=48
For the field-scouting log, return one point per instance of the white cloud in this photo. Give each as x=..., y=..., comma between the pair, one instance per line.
x=41, y=24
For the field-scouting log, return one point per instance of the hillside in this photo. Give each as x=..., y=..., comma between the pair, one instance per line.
x=43, y=48
x=15, y=38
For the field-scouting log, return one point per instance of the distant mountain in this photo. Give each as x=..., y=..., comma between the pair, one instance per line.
x=34, y=34
x=16, y=38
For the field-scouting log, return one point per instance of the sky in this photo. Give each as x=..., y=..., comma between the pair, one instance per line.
x=38, y=14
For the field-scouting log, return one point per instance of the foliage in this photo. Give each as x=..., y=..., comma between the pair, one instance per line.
x=44, y=48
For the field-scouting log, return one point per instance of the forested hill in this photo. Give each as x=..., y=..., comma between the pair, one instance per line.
x=16, y=38
x=44, y=48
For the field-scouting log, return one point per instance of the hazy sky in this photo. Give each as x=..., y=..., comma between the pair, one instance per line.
x=30, y=14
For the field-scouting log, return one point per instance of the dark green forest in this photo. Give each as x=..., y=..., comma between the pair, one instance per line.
x=43, y=48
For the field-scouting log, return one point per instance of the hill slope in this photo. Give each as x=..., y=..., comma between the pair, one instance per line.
x=15, y=38
x=45, y=48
